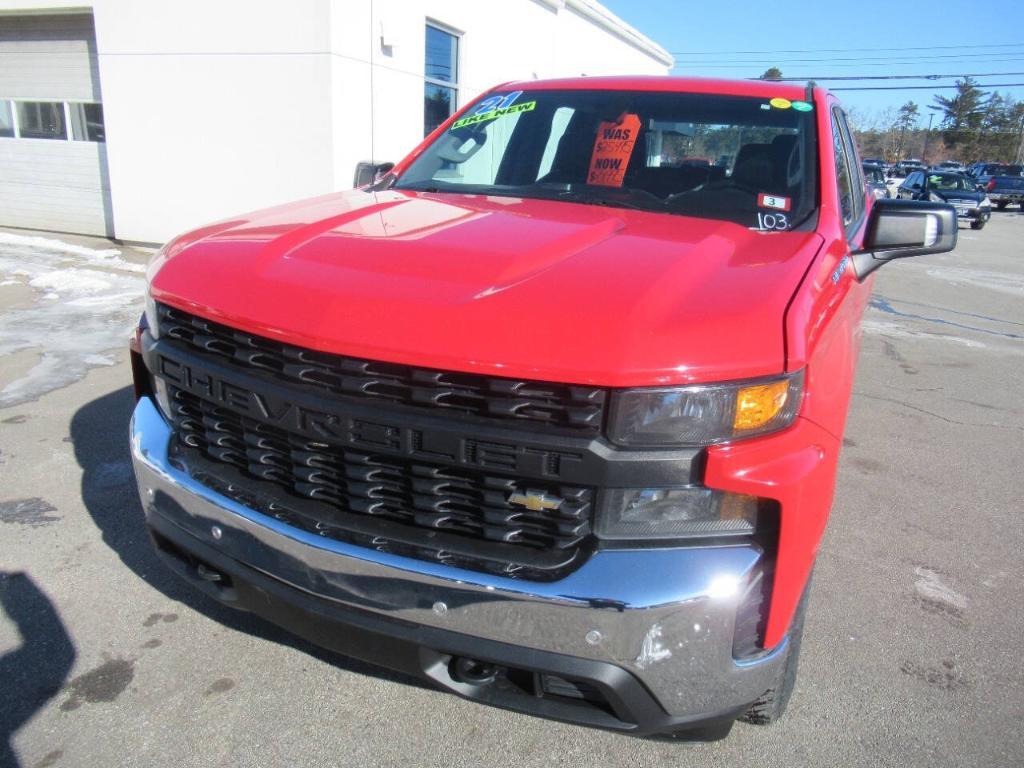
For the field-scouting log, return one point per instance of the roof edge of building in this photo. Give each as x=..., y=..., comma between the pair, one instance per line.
x=602, y=17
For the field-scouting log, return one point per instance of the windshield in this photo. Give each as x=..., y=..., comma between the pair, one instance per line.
x=741, y=159
x=1003, y=170
x=874, y=174
x=950, y=182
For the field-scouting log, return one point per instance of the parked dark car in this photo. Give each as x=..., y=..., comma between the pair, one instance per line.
x=877, y=161
x=1004, y=189
x=906, y=167
x=956, y=189
x=999, y=181
x=874, y=175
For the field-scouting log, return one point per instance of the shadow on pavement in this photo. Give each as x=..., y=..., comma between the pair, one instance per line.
x=99, y=431
x=34, y=673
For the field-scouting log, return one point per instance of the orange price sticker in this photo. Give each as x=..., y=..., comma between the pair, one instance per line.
x=612, y=148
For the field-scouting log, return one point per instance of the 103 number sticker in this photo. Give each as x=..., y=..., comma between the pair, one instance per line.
x=772, y=221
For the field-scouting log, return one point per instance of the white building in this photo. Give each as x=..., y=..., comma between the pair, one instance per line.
x=139, y=119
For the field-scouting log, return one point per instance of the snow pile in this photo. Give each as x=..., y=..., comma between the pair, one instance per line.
x=86, y=302
x=106, y=257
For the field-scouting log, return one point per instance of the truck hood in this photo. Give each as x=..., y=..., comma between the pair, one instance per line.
x=506, y=286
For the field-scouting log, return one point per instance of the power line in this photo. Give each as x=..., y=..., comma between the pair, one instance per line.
x=996, y=56
x=886, y=77
x=920, y=87
x=843, y=50
x=759, y=64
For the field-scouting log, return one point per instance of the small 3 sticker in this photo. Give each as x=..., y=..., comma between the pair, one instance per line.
x=802, y=106
x=780, y=103
x=766, y=106
x=776, y=202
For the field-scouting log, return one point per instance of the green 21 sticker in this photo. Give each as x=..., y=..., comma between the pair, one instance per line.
x=494, y=107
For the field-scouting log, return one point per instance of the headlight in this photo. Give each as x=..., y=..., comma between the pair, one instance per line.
x=152, y=317
x=704, y=414
x=159, y=386
x=671, y=513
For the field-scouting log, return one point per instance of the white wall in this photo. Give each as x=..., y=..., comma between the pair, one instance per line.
x=216, y=108
x=212, y=108
x=521, y=40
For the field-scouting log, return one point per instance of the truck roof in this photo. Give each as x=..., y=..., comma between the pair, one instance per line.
x=763, y=88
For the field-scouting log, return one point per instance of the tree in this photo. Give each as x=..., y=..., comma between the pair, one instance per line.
x=907, y=116
x=906, y=119
x=772, y=73
x=966, y=110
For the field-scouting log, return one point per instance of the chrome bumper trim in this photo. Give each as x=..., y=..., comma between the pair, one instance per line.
x=666, y=615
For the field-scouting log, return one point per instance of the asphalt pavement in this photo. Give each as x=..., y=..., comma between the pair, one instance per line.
x=910, y=656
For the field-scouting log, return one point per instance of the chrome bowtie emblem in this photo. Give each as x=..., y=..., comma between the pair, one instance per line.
x=535, y=501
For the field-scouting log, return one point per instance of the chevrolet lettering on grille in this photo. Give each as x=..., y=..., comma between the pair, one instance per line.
x=343, y=429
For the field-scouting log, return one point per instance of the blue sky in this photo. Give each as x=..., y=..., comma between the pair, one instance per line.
x=706, y=36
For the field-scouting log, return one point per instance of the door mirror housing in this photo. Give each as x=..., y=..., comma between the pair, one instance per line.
x=369, y=172
x=898, y=229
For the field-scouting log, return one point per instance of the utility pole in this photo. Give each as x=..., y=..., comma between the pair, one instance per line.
x=927, y=135
x=1020, y=147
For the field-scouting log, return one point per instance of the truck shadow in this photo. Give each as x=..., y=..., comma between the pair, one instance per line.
x=99, y=432
x=35, y=671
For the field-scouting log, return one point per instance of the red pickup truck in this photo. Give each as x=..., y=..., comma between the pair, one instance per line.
x=547, y=414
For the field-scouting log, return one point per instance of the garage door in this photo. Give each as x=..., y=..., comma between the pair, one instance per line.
x=53, y=155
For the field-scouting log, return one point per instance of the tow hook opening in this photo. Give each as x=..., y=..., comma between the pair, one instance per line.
x=473, y=671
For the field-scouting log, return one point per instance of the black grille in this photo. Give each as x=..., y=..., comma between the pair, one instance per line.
x=571, y=407
x=387, y=502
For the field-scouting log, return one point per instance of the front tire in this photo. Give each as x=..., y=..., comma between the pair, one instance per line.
x=1001, y=205
x=977, y=225
x=771, y=705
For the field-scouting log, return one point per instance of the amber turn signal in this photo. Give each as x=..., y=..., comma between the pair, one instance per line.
x=758, y=405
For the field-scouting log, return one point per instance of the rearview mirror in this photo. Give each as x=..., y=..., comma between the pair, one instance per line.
x=368, y=172
x=901, y=228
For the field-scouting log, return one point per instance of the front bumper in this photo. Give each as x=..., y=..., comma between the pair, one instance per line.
x=1006, y=197
x=653, y=629
x=979, y=213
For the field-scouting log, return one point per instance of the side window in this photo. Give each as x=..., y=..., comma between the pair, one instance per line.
x=856, y=172
x=844, y=180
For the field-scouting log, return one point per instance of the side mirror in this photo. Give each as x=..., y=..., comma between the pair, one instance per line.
x=901, y=228
x=368, y=172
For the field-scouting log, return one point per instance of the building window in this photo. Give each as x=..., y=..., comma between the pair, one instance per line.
x=441, y=70
x=87, y=122
x=52, y=120
x=41, y=120
x=6, y=119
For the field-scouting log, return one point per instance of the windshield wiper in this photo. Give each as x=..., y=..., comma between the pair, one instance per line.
x=619, y=197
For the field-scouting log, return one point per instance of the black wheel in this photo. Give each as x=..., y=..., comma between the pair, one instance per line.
x=977, y=225
x=1001, y=204
x=771, y=705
